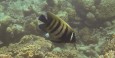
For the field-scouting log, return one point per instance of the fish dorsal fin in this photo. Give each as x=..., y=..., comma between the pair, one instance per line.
x=54, y=17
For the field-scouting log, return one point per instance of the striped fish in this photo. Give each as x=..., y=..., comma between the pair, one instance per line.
x=59, y=31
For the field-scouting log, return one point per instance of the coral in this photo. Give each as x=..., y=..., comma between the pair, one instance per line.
x=110, y=54
x=15, y=28
x=109, y=45
x=51, y=55
x=29, y=46
x=32, y=46
x=27, y=38
x=5, y=56
x=21, y=36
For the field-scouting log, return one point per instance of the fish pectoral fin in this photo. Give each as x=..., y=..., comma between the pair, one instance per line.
x=47, y=35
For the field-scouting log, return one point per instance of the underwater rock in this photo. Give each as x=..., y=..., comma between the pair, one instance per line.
x=93, y=9
x=51, y=2
x=5, y=20
x=100, y=11
x=91, y=17
x=57, y=49
x=113, y=21
x=106, y=9
x=107, y=23
x=86, y=36
x=88, y=4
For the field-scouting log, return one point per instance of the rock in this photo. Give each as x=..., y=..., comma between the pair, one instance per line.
x=91, y=17
x=108, y=23
x=113, y=21
x=5, y=20
x=57, y=49
x=86, y=36
x=88, y=3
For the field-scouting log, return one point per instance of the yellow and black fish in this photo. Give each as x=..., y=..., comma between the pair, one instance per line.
x=59, y=31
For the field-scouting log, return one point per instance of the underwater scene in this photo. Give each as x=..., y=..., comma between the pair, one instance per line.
x=57, y=28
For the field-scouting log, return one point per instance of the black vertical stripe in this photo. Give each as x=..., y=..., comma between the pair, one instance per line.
x=50, y=27
x=60, y=30
x=66, y=37
x=64, y=34
x=56, y=27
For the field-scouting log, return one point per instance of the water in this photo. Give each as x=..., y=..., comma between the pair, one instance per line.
x=93, y=22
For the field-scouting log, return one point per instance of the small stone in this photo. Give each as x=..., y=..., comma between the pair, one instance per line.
x=113, y=21
x=57, y=49
x=108, y=23
x=91, y=17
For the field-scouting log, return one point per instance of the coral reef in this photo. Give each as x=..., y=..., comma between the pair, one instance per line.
x=5, y=56
x=92, y=20
x=32, y=46
x=110, y=54
x=109, y=45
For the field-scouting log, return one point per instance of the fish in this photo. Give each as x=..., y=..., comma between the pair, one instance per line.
x=59, y=31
